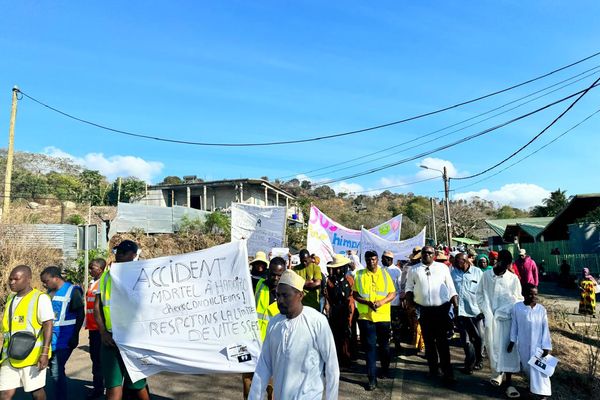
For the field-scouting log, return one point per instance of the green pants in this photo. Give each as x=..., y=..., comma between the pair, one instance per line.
x=114, y=371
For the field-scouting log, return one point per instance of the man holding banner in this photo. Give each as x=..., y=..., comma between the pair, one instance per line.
x=299, y=349
x=113, y=369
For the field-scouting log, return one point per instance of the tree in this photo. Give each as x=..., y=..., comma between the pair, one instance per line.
x=551, y=205
x=556, y=202
x=324, y=192
x=95, y=187
x=508, y=212
x=132, y=189
x=65, y=187
x=171, y=180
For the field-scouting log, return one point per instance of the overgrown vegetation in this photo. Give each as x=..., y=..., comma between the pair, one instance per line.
x=40, y=176
x=76, y=274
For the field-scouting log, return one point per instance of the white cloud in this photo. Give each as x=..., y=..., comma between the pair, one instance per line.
x=520, y=195
x=347, y=187
x=439, y=164
x=113, y=166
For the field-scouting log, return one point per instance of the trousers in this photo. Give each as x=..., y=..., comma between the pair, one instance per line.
x=375, y=337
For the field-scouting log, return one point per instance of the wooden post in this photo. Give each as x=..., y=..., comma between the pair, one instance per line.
x=10, y=153
x=119, y=190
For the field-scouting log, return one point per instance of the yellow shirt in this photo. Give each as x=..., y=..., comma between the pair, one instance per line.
x=374, y=286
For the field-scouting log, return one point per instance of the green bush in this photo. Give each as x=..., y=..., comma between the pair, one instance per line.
x=76, y=274
x=75, y=219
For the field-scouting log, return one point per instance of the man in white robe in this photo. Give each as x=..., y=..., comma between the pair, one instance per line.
x=298, y=351
x=497, y=293
x=530, y=331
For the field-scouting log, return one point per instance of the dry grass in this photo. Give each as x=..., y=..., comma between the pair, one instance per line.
x=577, y=347
x=158, y=245
x=49, y=212
x=37, y=258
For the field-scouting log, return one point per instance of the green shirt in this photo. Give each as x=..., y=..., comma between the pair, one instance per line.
x=312, y=271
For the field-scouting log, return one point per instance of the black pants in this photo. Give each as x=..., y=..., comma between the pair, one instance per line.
x=435, y=322
x=471, y=331
x=372, y=334
x=95, y=344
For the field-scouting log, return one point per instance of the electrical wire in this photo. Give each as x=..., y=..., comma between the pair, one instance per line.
x=352, y=132
x=530, y=154
x=452, y=144
x=395, y=186
x=423, y=143
x=388, y=149
x=533, y=139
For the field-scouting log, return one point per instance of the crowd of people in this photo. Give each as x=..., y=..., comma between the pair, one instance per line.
x=489, y=299
x=311, y=323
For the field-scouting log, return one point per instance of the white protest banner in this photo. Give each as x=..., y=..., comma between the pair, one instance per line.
x=389, y=230
x=280, y=252
x=191, y=313
x=263, y=227
x=401, y=249
x=341, y=238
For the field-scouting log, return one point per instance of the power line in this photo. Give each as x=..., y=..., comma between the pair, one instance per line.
x=530, y=154
x=446, y=146
x=389, y=149
x=456, y=130
x=352, y=132
x=533, y=138
x=396, y=186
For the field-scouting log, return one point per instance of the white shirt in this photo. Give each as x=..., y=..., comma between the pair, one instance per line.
x=395, y=274
x=299, y=354
x=431, y=286
x=45, y=311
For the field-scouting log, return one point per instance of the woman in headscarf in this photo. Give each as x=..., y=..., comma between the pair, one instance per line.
x=587, y=285
x=483, y=262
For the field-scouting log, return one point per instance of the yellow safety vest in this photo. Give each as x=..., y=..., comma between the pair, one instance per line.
x=369, y=287
x=24, y=318
x=264, y=310
x=105, y=290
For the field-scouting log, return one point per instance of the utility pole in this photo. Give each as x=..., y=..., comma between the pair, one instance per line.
x=119, y=191
x=9, y=153
x=448, y=220
x=433, y=222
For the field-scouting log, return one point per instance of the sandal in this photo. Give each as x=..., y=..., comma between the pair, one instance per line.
x=512, y=392
x=496, y=380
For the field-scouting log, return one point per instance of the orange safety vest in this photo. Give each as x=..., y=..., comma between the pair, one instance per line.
x=90, y=298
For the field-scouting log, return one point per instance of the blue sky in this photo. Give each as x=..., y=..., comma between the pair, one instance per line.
x=239, y=71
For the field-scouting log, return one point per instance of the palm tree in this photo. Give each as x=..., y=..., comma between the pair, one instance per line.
x=556, y=202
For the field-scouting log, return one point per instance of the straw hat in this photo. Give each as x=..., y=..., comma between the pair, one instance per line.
x=292, y=279
x=338, y=261
x=260, y=256
x=441, y=256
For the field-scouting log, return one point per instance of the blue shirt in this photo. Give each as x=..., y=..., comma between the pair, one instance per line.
x=465, y=284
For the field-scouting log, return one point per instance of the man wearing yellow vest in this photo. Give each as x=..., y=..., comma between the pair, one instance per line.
x=28, y=310
x=266, y=308
x=113, y=369
x=373, y=291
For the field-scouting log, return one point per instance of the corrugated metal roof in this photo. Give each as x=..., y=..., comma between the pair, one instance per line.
x=499, y=225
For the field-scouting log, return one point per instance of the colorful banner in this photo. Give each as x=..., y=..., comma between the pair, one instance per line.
x=401, y=249
x=327, y=237
x=263, y=227
x=191, y=314
x=389, y=230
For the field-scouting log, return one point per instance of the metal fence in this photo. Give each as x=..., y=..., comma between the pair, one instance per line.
x=52, y=236
x=152, y=219
x=541, y=254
